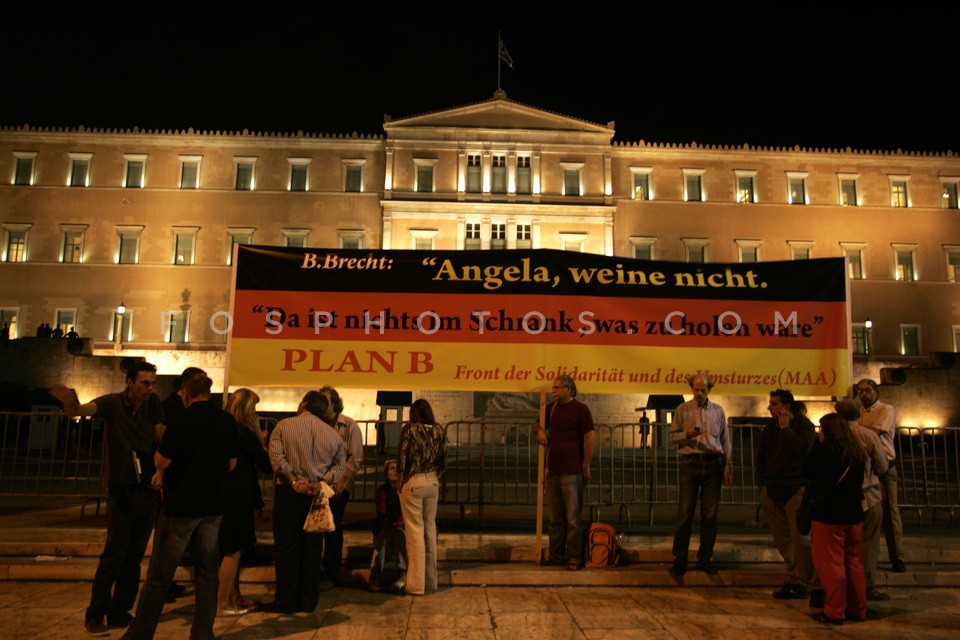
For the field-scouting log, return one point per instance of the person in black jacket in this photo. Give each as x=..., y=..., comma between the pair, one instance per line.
x=835, y=470
x=237, y=531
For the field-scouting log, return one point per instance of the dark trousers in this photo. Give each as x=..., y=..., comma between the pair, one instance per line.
x=700, y=476
x=131, y=514
x=333, y=541
x=298, y=554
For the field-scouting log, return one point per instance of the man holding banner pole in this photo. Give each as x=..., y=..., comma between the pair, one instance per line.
x=570, y=442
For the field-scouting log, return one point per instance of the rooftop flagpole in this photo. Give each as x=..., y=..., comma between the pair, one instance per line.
x=502, y=56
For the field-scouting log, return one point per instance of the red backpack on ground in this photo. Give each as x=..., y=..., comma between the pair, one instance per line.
x=601, y=548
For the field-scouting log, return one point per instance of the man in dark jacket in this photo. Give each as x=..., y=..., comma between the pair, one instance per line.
x=784, y=444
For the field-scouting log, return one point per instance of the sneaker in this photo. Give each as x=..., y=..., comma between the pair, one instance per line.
x=707, y=567
x=95, y=627
x=817, y=596
x=898, y=567
x=790, y=591
x=119, y=621
x=877, y=595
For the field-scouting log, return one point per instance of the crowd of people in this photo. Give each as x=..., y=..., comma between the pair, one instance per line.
x=187, y=471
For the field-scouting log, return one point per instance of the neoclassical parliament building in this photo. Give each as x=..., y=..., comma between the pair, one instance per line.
x=93, y=218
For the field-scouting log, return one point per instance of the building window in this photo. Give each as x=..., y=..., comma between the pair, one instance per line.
x=66, y=319
x=176, y=325
x=79, y=169
x=572, y=178
x=800, y=250
x=128, y=251
x=498, y=175
x=471, y=239
x=642, y=247
x=948, y=192
x=905, y=265
x=524, y=236
x=133, y=176
x=899, y=195
x=696, y=249
x=350, y=238
x=15, y=245
x=184, y=245
x=573, y=241
x=848, y=189
x=295, y=237
x=797, y=187
x=745, y=186
x=854, y=255
x=498, y=236
x=190, y=172
x=353, y=176
x=909, y=339
x=859, y=339
x=9, y=318
x=474, y=174
x=245, y=173
x=748, y=250
x=238, y=235
x=640, y=179
x=71, y=250
x=953, y=262
x=23, y=168
x=523, y=175
x=299, y=168
x=424, y=175
x=693, y=185
x=423, y=239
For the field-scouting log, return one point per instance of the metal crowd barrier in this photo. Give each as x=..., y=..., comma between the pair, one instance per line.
x=491, y=463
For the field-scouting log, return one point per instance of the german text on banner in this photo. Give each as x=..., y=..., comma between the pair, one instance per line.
x=513, y=320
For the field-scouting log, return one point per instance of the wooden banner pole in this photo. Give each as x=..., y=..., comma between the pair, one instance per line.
x=540, y=478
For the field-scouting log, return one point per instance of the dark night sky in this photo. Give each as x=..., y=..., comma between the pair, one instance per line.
x=730, y=73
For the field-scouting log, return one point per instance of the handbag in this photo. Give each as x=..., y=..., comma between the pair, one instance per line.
x=809, y=504
x=320, y=519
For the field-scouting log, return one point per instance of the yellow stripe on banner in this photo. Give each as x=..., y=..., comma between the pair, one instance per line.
x=530, y=368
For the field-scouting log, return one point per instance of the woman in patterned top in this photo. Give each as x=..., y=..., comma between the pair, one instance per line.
x=423, y=459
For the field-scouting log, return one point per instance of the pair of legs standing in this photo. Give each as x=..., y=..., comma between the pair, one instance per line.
x=564, y=509
x=794, y=548
x=298, y=554
x=418, y=501
x=700, y=476
x=837, y=558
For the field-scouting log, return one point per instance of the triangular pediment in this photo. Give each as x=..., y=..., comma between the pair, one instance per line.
x=497, y=114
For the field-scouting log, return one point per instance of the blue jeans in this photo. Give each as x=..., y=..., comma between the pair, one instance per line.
x=131, y=515
x=564, y=506
x=699, y=477
x=173, y=536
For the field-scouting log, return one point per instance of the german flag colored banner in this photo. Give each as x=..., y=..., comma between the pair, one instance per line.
x=513, y=320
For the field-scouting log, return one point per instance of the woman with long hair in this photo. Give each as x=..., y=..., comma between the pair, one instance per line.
x=423, y=459
x=237, y=531
x=389, y=542
x=834, y=469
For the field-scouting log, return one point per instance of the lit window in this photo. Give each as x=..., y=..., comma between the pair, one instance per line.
x=572, y=178
x=350, y=238
x=953, y=263
x=23, y=168
x=854, y=254
x=797, y=187
x=498, y=175
x=133, y=176
x=79, y=169
x=498, y=236
x=15, y=247
x=9, y=318
x=524, y=236
x=128, y=250
x=859, y=338
x=184, y=245
x=66, y=319
x=905, y=265
x=910, y=339
x=640, y=177
x=748, y=250
x=245, y=173
x=175, y=324
x=353, y=176
x=299, y=168
x=71, y=251
x=190, y=172
x=693, y=185
x=848, y=189
x=474, y=174
x=899, y=195
x=948, y=187
x=800, y=250
x=523, y=175
x=471, y=239
x=573, y=241
x=423, y=239
x=745, y=186
x=642, y=247
x=424, y=175
x=696, y=249
x=295, y=237
x=238, y=235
